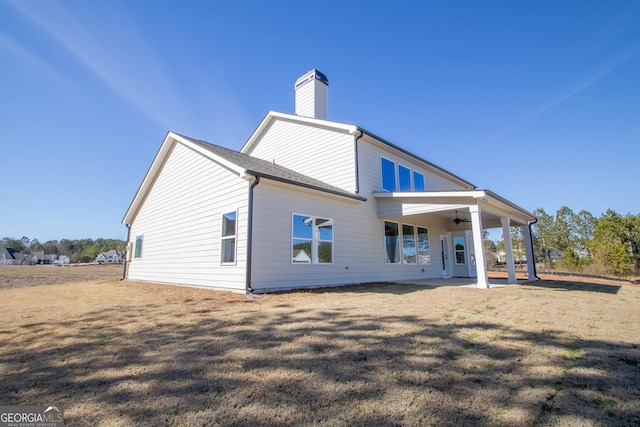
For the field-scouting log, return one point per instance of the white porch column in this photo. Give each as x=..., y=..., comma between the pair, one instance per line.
x=528, y=248
x=506, y=235
x=481, y=261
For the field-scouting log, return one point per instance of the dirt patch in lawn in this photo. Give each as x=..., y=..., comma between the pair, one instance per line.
x=20, y=276
x=116, y=353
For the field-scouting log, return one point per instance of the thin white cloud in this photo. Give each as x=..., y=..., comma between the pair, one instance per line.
x=581, y=84
x=105, y=40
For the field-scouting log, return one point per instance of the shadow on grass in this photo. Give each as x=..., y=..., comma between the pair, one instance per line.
x=575, y=286
x=293, y=366
x=393, y=288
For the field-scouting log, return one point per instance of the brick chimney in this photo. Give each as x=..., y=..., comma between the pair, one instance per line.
x=311, y=95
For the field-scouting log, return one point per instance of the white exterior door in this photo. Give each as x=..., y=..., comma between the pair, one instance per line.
x=444, y=256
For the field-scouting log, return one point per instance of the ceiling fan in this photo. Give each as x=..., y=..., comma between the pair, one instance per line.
x=459, y=220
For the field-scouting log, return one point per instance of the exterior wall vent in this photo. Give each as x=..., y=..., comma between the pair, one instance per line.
x=312, y=90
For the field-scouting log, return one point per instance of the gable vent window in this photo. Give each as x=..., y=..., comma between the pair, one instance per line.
x=229, y=231
x=311, y=240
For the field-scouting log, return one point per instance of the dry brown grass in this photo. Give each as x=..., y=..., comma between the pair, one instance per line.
x=116, y=353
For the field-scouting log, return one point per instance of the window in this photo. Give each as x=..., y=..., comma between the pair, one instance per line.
x=458, y=245
x=404, y=176
x=415, y=247
x=408, y=244
x=418, y=181
x=137, y=252
x=424, y=255
x=312, y=240
x=228, y=250
x=391, y=242
x=388, y=175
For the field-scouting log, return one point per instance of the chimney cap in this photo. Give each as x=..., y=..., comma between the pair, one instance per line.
x=310, y=75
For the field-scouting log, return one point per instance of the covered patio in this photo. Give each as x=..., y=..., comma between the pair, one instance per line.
x=484, y=209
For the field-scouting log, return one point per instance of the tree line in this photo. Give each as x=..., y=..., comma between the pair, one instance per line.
x=609, y=244
x=81, y=250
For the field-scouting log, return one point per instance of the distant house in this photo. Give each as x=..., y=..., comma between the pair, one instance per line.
x=8, y=256
x=42, y=258
x=62, y=260
x=309, y=202
x=111, y=257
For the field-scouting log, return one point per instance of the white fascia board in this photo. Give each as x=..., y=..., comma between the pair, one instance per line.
x=491, y=202
x=472, y=194
x=150, y=176
x=509, y=208
x=273, y=116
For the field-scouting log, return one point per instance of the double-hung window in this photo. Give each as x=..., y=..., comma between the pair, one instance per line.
x=228, y=239
x=311, y=240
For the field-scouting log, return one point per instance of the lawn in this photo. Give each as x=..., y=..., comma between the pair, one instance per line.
x=118, y=353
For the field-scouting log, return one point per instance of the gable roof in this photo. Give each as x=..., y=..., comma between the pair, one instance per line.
x=344, y=128
x=265, y=169
x=242, y=164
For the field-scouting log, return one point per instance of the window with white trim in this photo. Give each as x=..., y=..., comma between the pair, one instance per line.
x=228, y=239
x=424, y=252
x=311, y=240
x=409, y=244
x=406, y=244
x=137, y=252
x=418, y=181
x=391, y=242
x=458, y=245
x=388, y=174
x=401, y=178
x=404, y=178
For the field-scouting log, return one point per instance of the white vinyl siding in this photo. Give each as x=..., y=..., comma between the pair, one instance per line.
x=181, y=219
x=358, y=248
x=370, y=170
x=322, y=154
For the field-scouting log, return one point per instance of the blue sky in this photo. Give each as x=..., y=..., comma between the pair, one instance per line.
x=538, y=101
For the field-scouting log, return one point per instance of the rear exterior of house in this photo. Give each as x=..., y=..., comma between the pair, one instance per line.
x=307, y=202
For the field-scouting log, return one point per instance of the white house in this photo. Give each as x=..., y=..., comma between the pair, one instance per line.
x=308, y=202
x=110, y=257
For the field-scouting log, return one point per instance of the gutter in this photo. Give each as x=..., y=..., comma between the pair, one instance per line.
x=126, y=252
x=248, y=288
x=355, y=153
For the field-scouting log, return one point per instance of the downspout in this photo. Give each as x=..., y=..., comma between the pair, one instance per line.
x=126, y=253
x=535, y=272
x=248, y=288
x=355, y=152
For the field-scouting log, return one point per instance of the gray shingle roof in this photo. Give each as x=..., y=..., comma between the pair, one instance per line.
x=269, y=170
